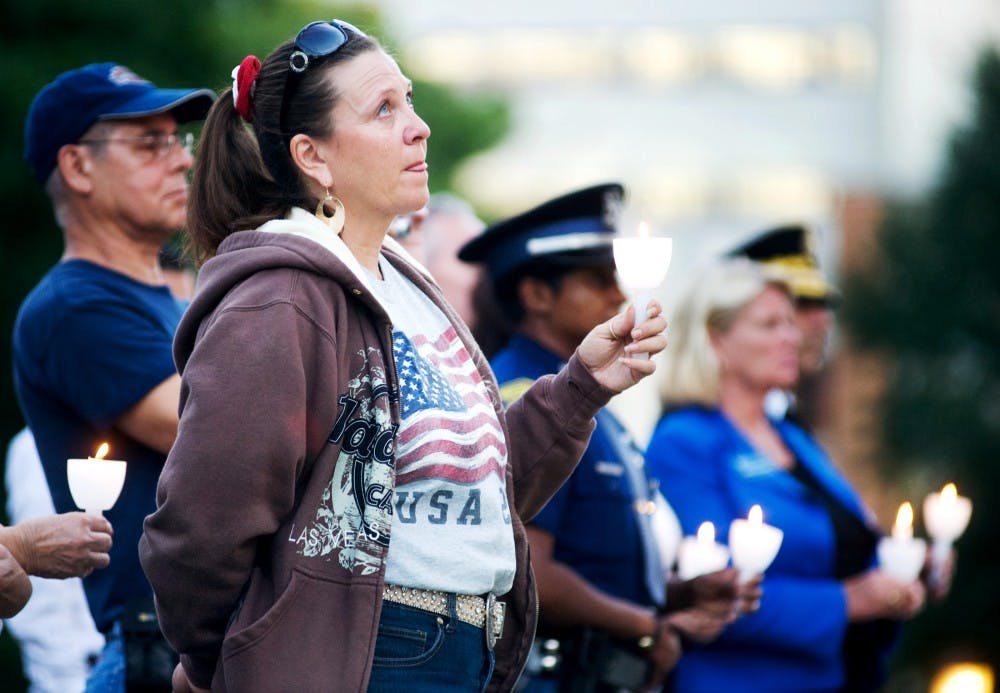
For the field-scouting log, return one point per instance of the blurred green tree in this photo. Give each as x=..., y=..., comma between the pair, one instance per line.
x=177, y=43
x=932, y=308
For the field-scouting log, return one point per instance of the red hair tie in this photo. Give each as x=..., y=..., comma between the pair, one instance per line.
x=244, y=76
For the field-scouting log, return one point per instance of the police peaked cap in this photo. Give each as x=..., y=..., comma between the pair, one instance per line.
x=786, y=252
x=573, y=230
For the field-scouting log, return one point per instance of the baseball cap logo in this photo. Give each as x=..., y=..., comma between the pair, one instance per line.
x=122, y=75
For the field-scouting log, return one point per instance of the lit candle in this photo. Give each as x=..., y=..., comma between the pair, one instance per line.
x=963, y=677
x=753, y=544
x=642, y=262
x=902, y=556
x=701, y=554
x=903, y=528
x=946, y=515
x=95, y=482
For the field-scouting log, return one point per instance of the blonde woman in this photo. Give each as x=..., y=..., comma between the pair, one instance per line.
x=826, y=619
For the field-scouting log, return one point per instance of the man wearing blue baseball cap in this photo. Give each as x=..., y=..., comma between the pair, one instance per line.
x=92, y=341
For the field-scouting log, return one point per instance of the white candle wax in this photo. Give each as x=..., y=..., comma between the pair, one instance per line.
x=700, y=555
x=95, y=483
x=902, y=556
x=642, y=262
x=753, y=544
x=946, y=516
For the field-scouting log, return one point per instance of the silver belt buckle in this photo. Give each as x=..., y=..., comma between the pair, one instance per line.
x=496, y=613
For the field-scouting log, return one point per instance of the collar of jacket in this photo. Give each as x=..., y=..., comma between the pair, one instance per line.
x=301, y=223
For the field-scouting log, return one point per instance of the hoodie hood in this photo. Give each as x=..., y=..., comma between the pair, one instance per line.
x=298, y=242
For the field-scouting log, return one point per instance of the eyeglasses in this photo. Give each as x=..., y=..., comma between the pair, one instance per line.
x=314, y=40
x=157, y=145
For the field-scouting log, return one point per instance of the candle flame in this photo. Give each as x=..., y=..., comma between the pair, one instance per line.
x=904, y=518
x=756, y=515
x=706, y=533
x=101, y=451
x=949, y=493
x=963, y=677
x=643, y=230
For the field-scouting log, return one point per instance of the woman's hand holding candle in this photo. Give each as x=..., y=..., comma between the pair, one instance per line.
x=876, y=594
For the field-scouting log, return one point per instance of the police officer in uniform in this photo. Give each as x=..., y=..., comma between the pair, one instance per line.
x=604, y=624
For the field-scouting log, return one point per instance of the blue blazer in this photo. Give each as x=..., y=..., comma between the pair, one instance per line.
x=708, y=471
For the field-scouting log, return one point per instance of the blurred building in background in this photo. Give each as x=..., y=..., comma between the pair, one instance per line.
x=717, y=113
x=722, y=117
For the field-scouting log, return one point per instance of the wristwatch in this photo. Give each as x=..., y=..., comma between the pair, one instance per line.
x=648, y=642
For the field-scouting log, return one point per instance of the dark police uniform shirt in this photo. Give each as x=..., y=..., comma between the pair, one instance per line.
x=593, y=515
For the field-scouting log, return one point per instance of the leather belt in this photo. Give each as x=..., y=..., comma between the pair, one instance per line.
x=482, y=612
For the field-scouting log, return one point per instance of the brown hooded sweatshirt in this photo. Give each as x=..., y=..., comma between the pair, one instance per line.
x=267, y=549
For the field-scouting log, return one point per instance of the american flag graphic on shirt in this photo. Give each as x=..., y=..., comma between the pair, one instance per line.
x=449, y=430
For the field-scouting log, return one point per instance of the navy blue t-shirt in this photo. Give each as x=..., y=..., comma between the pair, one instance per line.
x=89, y=343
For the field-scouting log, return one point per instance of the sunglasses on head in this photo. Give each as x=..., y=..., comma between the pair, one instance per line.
x=319, y=39
x=314, y=40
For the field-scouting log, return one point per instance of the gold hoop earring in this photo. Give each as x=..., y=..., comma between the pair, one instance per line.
x=336, y=221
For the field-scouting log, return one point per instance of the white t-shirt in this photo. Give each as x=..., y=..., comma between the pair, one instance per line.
x=451, y=525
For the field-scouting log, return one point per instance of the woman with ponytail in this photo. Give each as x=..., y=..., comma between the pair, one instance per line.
x=342, y=510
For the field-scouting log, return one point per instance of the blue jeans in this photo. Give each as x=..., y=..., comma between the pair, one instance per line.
x=537, y=686
x=421, y=652
x=108, y=675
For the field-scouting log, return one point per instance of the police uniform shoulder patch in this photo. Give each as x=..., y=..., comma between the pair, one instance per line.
x=512, y=389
